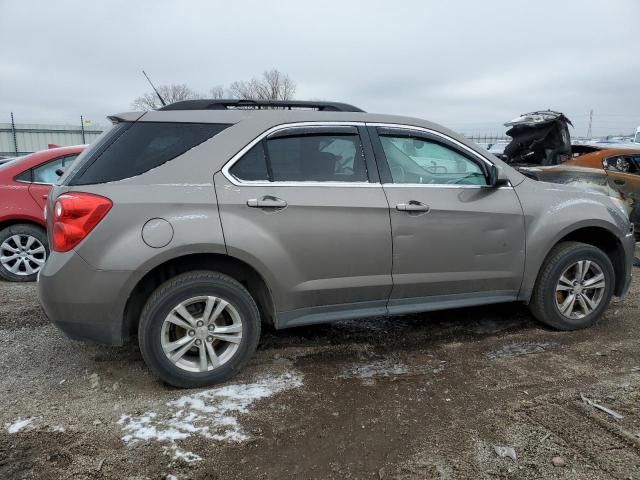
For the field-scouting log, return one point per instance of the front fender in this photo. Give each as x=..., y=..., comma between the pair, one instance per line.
x=552, y=212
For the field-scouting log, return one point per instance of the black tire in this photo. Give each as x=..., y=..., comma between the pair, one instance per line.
x=543, y=303
x=22, y=229
x=181, y=288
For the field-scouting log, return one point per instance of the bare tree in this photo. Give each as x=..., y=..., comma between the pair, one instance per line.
x=217, y=92
x=170, y=94
x=273, y=85
x=277, y=85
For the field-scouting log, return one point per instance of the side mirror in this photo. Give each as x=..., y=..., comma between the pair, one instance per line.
x=497, y=177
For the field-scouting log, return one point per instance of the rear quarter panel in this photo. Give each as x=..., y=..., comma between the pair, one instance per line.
x=17, y=205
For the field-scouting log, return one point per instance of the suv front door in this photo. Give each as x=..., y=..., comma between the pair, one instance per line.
x=455, y=238
x=306, y=205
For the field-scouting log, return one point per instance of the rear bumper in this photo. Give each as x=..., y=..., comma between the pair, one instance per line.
x=85, y=303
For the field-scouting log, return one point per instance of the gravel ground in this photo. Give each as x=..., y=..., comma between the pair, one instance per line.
x=424, y=396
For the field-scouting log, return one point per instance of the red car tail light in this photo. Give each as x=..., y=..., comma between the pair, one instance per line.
x=74, y=216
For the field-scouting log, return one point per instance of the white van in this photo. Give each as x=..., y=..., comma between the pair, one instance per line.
x=636, y=138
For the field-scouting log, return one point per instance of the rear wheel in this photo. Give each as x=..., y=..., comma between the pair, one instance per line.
x=574, y=286
x=23, y=251
x=198, y=328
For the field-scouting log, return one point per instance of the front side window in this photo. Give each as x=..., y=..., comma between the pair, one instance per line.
x=418, y=160
x=47, y=173
x=622, y=163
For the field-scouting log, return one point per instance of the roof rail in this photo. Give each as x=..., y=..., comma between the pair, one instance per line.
x=221, y=104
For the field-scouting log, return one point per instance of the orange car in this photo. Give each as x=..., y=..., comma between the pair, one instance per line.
x=622, y=166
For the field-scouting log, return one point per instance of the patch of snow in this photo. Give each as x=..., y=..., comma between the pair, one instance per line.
x=179, y=454
x=211, y=413
x=377, y=368
x=57, y=428
x=506, y=452
x=519, y=349
x=94, y=380
x=19, y=424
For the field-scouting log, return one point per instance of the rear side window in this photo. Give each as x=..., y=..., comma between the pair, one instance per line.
x=47, y=173
x=25, y=176
x=252, y=166
x=304, y=158
x=135, y=148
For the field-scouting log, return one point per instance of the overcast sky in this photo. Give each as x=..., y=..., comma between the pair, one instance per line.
x=470, y=65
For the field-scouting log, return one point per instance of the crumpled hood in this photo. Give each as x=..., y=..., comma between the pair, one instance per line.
x=585, y=180
x=582, y=178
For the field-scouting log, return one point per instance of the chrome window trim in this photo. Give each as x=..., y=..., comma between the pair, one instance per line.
x=259, y=138
x=443, y=185
x=285, y=126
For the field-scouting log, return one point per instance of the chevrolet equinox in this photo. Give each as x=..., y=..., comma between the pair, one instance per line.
x=193, y=224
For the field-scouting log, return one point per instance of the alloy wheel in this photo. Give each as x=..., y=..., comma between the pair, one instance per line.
x=22, y=254
x=580, y=289
x=201, y=333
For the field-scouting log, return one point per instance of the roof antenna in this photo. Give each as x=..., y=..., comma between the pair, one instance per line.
x=164, y=104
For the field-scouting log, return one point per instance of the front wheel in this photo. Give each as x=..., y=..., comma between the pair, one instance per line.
x=198, y=329
x=574, y=286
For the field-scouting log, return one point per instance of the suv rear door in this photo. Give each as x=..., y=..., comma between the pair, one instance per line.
x=455, y=239
x=305, y=204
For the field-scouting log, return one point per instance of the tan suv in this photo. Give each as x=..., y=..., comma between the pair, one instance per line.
x=193, y=224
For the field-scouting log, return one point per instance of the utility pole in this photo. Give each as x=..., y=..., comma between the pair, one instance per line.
x=82, y=129
x=15, y=138
x=590, y=123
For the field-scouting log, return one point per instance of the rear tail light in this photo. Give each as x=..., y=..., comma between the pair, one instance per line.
x=74, y=216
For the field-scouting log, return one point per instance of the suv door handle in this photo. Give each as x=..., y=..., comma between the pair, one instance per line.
x=413, y=206
x=618, y=182
x=266, y=202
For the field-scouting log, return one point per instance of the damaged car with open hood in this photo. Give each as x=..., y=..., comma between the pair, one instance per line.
x=541, y=149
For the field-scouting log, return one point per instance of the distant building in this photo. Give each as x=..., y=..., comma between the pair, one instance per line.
x=29, y=138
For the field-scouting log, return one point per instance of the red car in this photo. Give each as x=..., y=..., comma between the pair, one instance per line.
x=24, y=185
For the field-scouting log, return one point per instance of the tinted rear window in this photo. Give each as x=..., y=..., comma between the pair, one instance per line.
x=132, y=149
x=252, y=166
